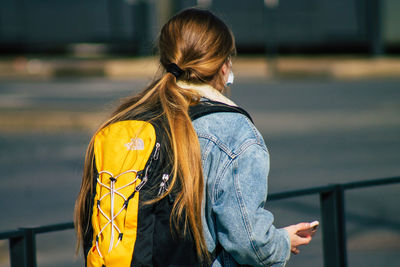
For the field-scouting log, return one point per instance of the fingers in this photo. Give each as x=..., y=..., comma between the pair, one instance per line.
x=302, y=226
x=304, y=230
x=300, y=234
x=300, y=241
x=306, y=240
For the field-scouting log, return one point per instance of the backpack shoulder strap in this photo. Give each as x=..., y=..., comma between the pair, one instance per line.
x=207, y=107
x=216, y=252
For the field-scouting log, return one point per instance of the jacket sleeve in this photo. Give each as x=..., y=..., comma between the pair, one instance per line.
x=244, y=228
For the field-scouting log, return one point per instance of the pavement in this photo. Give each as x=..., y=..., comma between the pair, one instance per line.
x=336, y=67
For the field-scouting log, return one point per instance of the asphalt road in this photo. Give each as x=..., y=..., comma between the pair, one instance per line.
x=318, y=132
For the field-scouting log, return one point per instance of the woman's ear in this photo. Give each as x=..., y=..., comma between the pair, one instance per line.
x=225, y=69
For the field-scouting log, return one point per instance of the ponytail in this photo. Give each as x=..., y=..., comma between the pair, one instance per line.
x=186, y=155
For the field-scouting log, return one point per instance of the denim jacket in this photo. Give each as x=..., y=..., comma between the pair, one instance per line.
x=235, y=164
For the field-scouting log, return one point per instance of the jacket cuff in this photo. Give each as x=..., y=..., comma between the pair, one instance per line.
x=285, y=246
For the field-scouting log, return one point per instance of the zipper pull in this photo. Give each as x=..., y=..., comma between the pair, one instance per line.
x=142, y=183
x=157, y=151
x=163, y=184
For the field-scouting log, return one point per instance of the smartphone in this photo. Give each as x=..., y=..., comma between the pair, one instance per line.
x=310, y=231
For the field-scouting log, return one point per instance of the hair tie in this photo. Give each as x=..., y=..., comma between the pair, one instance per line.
x=174, y=69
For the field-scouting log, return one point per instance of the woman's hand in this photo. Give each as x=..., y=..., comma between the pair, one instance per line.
x=296, y=239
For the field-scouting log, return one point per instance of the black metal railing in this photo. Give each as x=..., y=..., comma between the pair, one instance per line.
x=22, y=242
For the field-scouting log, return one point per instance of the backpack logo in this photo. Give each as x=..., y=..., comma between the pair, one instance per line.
x=135, y=144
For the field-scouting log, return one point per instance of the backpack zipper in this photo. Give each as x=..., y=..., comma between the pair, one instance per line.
x=163, y=184
x=157, y=151
x=155, y=156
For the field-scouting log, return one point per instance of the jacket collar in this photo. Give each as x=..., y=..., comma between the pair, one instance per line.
x=207, y=91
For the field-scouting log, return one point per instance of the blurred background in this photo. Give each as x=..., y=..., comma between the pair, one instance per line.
x=320, y=78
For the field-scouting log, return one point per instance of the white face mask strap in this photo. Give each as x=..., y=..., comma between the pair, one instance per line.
x=231, y=77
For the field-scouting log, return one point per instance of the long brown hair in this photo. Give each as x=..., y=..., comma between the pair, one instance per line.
x=200, y=44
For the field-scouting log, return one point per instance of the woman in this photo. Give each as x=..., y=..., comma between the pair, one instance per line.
x=220, y=161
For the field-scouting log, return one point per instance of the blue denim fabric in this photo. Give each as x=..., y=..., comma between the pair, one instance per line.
x=235, y=165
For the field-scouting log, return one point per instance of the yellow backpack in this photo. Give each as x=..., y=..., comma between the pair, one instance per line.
x=131, y=167
x=120, y=157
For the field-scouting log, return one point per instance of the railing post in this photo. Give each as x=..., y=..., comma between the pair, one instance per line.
x=333, y=227
x=17, y=251
x=23, y=249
